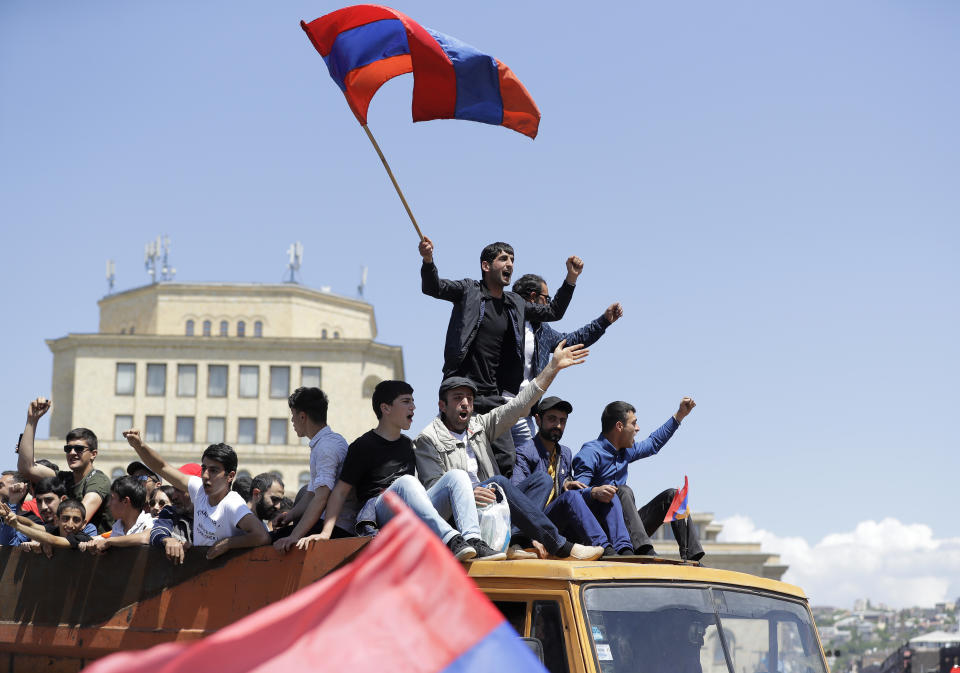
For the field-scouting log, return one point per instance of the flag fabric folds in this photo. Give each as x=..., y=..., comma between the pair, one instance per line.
x=679, y=508
x=405, y=604
x=366, y=45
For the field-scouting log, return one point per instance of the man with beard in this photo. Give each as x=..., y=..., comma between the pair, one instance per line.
x=457, y=439
x=485, y=340
x=569, y=505
x=266, y=492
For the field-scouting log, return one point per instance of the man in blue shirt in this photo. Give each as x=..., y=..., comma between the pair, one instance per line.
x=602, y=464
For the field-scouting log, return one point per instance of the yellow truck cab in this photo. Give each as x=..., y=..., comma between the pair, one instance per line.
x=624, y=616
x=653, y=616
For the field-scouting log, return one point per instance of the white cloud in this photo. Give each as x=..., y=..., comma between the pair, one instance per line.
x=886, y=561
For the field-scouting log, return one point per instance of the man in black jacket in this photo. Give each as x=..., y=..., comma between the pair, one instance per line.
x=485, y=335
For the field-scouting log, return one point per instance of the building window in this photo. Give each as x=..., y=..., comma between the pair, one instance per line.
x=246, y=431
x=187, y=380
x=323, y=334
x=223, y=328
x=121, y=423
x=126, y=378
x=279, y=382
x=336, y=335
x=154, y=429
x=278, y=430
x=258, y=329
x=303, y=480
x=189, y=328
x=241, y=328
x=206, y=328
x=310, y=377
x=157, y=380
x=216, y=427
x=185, y=429
x=249, y=381
x=117, y=472
x=217, y=381
x=130, y=331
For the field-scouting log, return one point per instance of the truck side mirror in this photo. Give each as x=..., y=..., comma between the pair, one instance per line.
x=535, y=646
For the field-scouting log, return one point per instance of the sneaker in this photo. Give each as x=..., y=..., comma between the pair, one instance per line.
x=609, y=551
x=516, y=552
x=581, y=552
x=485, y=552
x=460, y=548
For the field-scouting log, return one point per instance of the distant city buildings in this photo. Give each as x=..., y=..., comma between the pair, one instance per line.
x=191, y=364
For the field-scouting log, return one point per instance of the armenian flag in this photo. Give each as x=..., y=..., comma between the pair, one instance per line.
x=364, y=46
x=679, y=508
x=405, y=604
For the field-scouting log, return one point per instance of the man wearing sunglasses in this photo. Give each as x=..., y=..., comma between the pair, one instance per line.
x=82, y=481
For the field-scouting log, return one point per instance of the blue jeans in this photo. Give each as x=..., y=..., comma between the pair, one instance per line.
x=589, y=521
x=451, y=495
x=526, y=501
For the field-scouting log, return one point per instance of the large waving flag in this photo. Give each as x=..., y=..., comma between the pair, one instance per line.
x=366, y=45
x=404, y=604
x=679, y=507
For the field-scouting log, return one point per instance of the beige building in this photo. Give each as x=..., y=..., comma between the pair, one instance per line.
x=745, y=557
x=193, y=364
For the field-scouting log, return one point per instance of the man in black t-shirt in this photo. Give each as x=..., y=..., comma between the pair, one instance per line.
x=382, y=460
x=485, y=339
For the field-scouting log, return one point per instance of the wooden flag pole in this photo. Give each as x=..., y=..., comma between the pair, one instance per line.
x=393, y=180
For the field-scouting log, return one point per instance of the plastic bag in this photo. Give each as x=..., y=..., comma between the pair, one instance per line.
x=495, y=522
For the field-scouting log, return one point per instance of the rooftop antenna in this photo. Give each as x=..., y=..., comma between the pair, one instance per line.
x=157, y=254
x=111, y=275
x=363, y=282
x=295, y=253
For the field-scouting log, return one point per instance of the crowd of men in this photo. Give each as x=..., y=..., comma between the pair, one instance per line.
x=495, y=436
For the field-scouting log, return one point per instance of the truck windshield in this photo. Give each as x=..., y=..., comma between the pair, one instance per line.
x=669, y=629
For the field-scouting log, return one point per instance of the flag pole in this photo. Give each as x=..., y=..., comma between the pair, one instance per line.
x=393, y=180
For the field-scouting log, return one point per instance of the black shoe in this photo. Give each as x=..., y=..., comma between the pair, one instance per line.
x=485, y=552
x=626, y=551
x=460, y=548
x=609, y=551
x=646, y=550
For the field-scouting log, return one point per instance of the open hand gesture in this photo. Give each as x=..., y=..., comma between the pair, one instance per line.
x=565, y=356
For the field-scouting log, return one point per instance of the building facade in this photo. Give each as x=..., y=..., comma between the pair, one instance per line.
x=194, y=364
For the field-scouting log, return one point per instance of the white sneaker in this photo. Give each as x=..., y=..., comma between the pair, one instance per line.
x=581, y=552
x=516, y=552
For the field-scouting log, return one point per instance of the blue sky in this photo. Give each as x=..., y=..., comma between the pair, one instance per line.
x=770, y=190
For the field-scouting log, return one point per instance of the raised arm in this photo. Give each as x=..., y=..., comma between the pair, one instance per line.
x=155, y=462
x=34, y=533
x=563, y=356
x=430, y=282
x=25, y=464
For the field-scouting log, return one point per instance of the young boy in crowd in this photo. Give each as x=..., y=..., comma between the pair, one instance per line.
x=65, y=533
x=222, y=520
x=383, y=459
x=49, y=492
x=131, y=525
